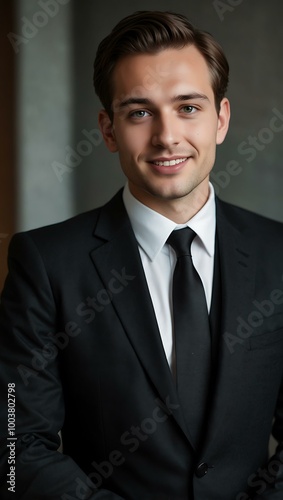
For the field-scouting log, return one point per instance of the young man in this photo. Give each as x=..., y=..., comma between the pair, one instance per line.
x=162, y=372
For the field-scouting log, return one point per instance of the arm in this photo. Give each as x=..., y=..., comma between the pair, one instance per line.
x=28, y=313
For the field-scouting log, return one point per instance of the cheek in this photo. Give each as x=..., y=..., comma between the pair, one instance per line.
x=132, y=142
x=203, y=139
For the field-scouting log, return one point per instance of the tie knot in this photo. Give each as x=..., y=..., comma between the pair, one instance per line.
x=181, y=240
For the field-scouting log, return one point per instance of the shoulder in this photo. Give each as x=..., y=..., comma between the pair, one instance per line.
x=64, y=232
x=249, y=223
x=70, y=235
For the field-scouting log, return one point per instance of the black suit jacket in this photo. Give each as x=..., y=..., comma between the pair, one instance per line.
x=80, y=341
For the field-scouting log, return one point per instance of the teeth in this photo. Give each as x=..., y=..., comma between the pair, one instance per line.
x=169, y=163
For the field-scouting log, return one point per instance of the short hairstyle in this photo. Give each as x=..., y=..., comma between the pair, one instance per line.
x=149, y=32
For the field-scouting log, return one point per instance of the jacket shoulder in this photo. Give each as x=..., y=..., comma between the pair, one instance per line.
x=247, y=221
x=64, y=231
x=73, y=231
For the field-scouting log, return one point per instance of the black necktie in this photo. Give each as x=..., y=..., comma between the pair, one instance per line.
x=192, y=333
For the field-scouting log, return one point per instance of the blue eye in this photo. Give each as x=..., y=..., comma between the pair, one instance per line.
x=139, y=114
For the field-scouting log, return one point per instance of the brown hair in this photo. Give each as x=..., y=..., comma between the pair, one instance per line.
x=149, y=32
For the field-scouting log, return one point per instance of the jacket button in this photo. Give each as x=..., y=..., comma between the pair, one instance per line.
x=201, y=470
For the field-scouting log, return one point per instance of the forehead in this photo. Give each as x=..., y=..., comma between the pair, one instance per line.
x=177, y=70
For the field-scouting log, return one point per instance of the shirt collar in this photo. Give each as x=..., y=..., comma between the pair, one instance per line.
x=153, y=229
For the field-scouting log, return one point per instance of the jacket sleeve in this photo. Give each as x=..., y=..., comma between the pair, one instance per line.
x=31, y=396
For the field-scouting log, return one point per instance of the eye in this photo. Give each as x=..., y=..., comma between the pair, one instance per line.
x=140, y=113
x=189, y=109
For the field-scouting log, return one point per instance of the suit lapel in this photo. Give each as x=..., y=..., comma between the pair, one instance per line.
x=237, y=270
x=117, y=254
x=237, y=290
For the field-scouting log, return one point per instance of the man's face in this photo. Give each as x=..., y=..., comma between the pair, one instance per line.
x=165, y=126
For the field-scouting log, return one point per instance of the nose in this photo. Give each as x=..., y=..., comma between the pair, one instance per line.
x=166, y=131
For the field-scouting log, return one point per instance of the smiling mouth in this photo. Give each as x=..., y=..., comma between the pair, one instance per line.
x=170, y=163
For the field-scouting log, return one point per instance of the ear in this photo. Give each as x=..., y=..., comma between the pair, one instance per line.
x=223, y=121
x=107, y=130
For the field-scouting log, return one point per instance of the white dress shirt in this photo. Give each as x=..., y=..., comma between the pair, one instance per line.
x=158, y=258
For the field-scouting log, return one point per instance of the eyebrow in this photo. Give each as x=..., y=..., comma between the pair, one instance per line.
x=145, y=101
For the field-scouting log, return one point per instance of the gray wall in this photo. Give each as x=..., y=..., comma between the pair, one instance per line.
x=44, y=111
x=58, y=108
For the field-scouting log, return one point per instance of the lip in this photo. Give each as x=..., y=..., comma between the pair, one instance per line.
x=168, y=158
x=169, y=169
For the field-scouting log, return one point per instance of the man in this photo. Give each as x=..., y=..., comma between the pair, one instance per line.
x=95, y=341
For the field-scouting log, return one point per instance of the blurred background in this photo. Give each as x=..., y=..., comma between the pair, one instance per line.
x=53, y=162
